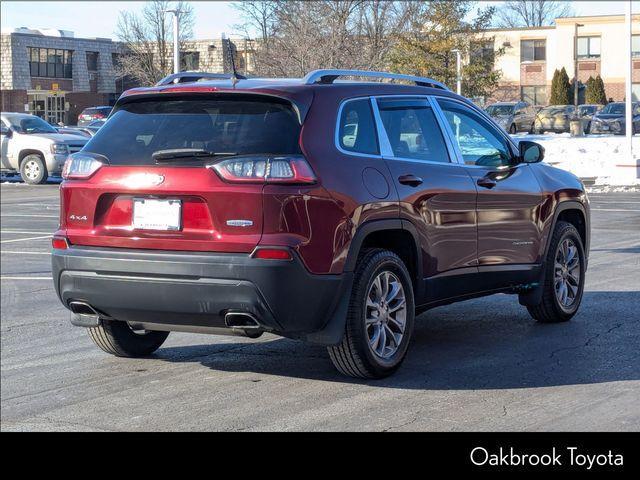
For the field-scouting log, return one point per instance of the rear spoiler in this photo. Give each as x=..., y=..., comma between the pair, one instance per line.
x=300, y=107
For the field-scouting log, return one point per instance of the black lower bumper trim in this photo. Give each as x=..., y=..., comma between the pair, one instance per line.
x=198, y=289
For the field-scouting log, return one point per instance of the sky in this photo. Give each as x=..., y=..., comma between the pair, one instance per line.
x=99, y=19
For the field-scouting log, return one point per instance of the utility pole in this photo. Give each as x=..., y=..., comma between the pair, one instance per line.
x=628, y=114
x=575, y=63
x=176, y=48
x=458, y=70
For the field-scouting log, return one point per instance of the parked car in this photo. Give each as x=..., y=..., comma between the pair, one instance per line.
x=514, y=117
x=586, y=113
x=92, y=114
x=329, y=212
x=554, y=118
x=611, y=119
x=81, y=131
x=34, y=148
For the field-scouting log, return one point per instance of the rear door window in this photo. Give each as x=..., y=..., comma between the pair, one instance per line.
x=412, y=130
x=231, y=124
x=356, y=128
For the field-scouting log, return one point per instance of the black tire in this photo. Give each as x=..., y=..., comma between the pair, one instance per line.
x=118, y=339
x=513, y=129
x=33, y=169
x=550, y=310
x=353, y=356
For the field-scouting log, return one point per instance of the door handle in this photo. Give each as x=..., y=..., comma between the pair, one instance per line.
x=486, y=182
x=410, y=180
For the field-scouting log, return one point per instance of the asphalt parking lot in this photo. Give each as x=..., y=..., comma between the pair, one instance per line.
x=478, y=365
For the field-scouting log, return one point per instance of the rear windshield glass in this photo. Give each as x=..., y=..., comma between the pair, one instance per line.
x=238, y=125
x=496, y=110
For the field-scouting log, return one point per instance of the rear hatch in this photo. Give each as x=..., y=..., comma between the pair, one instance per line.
x=179, y=173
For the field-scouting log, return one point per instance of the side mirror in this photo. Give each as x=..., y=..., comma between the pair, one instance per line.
x=7, y=132
x=530, y=152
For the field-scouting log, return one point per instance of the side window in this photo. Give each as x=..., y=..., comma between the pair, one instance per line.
x=356, y=129
x=413, y=131
x=480, y=142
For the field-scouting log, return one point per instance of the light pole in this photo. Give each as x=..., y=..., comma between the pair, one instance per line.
x=628, y=114
x=176, y=30
x=458, y=70
x=575, y=63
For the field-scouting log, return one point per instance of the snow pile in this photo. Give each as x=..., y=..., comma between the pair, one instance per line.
x=597, y=159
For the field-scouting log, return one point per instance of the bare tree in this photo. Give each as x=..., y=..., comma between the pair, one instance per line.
x=257, y=15
x=148, y=39
x=531, y=13
x=298, y=36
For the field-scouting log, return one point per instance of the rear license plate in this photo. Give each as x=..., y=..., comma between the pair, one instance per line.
x=605, y=127
x=152, y=214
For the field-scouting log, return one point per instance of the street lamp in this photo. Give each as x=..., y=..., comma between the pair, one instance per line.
x=458, y=70
x=176, y=49
x=575, y=63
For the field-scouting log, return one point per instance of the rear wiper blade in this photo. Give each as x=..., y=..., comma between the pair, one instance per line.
x=180, y=153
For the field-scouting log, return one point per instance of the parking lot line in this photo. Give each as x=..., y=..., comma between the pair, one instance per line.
x=25, y=278
x=25, y=239
x=26, y=215
x=25, y=252
x=614, y=210
x=24, y=231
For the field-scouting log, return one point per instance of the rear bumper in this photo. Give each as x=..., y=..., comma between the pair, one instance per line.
x=198, y=289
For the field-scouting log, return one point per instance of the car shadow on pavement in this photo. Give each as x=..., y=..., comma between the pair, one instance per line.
x=489, y=343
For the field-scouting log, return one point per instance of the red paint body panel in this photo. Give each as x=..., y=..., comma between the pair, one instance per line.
x=459, y=225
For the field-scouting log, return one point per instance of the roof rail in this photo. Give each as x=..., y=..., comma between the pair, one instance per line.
x=186, y=77
x=329, y=76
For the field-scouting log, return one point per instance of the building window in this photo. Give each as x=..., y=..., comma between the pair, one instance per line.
x=534, y=95
x=189, y=61
x=92, y=61
x=589, y=47
x=635, y=92
x=483, y=53
x=50, y=62
x=635, y=45
x=533, y=50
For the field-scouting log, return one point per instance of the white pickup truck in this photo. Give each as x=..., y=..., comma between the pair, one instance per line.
x=33, y=147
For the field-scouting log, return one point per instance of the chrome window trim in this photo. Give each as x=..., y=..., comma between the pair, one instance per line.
x=385, y=145
x=510, y=143
x=336, y=138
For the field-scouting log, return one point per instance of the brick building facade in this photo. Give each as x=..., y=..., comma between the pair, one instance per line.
x=533, y=54
x=54, y=75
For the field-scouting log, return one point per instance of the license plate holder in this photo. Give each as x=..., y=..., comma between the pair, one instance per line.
x=157, y=214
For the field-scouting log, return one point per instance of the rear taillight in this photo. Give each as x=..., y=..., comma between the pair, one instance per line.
x=59, y=243
x=82, y=165
x=263, y=169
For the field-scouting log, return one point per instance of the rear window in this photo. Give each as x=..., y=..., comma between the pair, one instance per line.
x=236, y=125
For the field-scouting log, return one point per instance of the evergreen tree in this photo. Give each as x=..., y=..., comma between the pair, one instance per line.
x=588, y=92
x=437, y=28
x=595, y=91
x=560, y=88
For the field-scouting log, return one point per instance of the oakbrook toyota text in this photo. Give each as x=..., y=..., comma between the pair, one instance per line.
x=572, y=456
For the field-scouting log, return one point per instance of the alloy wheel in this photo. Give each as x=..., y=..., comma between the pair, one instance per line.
x=567, y=273
x=385, y=314
x=32, y=170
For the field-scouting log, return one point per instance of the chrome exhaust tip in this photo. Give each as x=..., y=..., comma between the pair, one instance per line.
x=84, y=315
x=241, y=320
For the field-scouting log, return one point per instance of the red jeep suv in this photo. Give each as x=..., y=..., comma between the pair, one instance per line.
x=327, y=211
